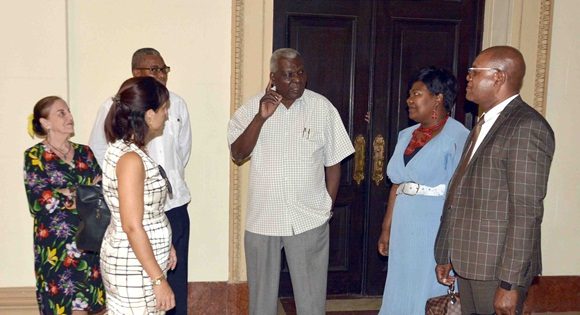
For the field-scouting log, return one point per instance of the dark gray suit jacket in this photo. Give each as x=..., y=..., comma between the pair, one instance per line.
x=492, y=230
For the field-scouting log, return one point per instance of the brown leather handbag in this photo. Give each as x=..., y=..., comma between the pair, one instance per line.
x=447, y=304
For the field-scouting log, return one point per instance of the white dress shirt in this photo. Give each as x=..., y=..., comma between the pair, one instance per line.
x=490, y=117
x=287, y=189
x=170, y=150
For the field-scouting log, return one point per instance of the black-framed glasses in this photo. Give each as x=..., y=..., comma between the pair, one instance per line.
x=167, y=182
x=156, y=70
x=473, y=69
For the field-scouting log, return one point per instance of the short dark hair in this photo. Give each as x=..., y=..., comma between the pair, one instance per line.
x=41, y=110
x=139, y=54
x=126, y=118
x=438, y=81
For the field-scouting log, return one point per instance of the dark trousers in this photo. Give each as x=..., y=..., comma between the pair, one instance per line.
x=477, y=296
x=177, y=279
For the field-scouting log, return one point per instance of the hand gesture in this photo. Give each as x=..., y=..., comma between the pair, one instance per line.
x=269, y=102
x=164, y=296
x=383, y=243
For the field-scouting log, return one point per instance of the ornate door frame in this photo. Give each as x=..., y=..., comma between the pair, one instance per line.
x=252, y=23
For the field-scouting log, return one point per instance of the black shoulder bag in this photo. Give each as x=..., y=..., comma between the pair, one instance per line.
x=94, y=215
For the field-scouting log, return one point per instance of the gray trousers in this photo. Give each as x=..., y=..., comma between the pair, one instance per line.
x=477, y=296
x=307, y=257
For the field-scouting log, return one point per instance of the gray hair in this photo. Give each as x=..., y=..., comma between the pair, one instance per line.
x=139, y=54
x=282, y=53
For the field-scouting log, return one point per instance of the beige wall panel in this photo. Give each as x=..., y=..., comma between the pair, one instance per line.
x=517, y=23
x=561, y=227
x=98, y=38
x=34, y=65
x=194, y=39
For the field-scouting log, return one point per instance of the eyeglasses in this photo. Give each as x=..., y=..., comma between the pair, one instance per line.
x=167, y=182
x=156, y=70
x=471, y=70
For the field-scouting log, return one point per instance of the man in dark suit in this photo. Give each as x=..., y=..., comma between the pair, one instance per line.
x=490, y=227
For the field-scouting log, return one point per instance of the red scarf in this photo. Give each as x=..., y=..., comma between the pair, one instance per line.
x=422, y=135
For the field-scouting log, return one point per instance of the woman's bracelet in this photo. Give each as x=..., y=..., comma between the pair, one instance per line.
x=157, y=281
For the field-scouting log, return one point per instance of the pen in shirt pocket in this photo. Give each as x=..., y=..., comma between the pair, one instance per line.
x=306, y=133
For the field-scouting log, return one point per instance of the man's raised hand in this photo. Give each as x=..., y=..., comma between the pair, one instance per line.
x=269, y=102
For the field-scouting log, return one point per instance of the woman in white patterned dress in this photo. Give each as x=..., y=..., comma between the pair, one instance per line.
x=136, y=251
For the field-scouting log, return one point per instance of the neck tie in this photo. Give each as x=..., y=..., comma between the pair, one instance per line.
x=464, y=160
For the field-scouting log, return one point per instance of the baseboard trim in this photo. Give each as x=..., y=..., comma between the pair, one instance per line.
x=547, y=294
x=553, y=294
x=18, y=298
x=227, y=298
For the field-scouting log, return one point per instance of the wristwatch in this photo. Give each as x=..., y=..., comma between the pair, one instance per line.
x=505, y=285
x=157, y=281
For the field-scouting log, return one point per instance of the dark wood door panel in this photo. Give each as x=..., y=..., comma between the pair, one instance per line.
x=412, y=35
x=360, y=54
x=417, y=43
x=334, y=37
x=334, y=41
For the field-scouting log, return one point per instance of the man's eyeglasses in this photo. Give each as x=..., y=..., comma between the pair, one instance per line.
x=156, y=70
x=164, y=175
x=471, y=70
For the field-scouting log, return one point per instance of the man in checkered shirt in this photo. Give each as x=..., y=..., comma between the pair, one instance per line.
x=296, y=151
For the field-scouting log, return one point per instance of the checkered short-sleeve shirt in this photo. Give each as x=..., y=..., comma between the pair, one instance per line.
x=287, y=192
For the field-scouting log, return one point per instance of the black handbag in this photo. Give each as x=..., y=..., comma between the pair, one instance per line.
x=94, y=215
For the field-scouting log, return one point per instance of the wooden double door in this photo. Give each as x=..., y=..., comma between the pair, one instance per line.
x=360, y=54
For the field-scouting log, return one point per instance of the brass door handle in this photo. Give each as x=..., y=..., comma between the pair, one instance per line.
x=378, y=159
x=359, y=159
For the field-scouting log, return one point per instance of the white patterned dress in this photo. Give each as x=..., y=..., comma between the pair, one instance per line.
x=128, y=287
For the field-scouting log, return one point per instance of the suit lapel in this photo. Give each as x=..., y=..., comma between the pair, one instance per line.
x=503, y=116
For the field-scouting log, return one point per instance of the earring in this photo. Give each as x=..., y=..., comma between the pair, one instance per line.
x=434, y=115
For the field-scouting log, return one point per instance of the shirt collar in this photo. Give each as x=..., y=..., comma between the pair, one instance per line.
x=496, y=110
x=298, y=103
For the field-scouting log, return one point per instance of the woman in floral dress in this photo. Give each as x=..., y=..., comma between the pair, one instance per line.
x=68, y=280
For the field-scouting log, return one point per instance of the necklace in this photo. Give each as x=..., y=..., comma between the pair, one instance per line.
x=65, y=154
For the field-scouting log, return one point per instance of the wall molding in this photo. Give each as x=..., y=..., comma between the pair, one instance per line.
x=235, y=261
x=543, y=55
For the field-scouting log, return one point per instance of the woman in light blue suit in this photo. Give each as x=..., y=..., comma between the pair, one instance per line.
x=422, y=164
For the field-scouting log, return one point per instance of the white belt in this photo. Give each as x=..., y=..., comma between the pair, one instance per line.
x=413, y=189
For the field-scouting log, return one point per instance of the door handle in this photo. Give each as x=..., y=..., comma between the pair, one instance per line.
x=359, y=159
x=378, y=159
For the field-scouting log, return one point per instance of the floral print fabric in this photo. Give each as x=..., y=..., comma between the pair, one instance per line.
x=66, y=278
